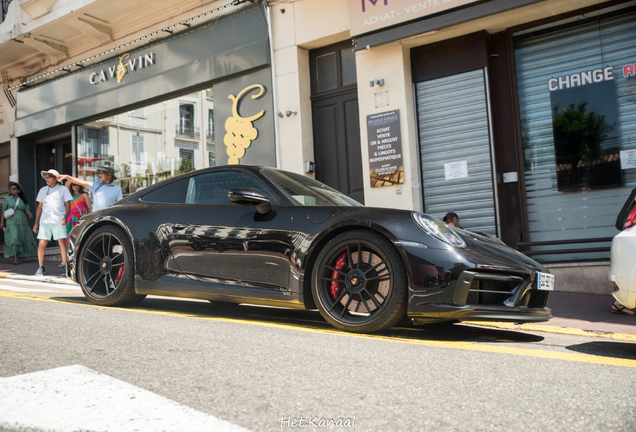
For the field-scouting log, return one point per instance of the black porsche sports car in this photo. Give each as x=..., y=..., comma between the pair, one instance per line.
x=248, y=234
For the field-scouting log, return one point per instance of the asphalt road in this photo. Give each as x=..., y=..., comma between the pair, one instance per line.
x=262, y=368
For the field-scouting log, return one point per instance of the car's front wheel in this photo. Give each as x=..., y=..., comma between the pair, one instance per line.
x=359, y=283
x=106, y=268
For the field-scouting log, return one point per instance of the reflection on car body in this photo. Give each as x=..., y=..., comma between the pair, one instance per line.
x=246, y=234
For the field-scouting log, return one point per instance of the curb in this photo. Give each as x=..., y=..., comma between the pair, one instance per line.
x=501, y=325
x=47, y=279
x=555, y=329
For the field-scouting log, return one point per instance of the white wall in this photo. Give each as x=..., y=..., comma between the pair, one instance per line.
x=296, y=28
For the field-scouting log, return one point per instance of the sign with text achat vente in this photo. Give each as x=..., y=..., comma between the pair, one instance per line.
x=385, y=149
x=370, y=15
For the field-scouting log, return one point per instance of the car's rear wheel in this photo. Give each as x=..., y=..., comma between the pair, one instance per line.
x=359, y=283
x=106, y=268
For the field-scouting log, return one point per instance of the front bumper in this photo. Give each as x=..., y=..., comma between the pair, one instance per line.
x=483, y=296
x=456, y=289
x=471, y=313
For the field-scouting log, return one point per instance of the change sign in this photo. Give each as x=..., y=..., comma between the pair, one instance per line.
x=385, y=149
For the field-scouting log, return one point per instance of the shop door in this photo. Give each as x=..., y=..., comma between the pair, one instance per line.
x=56, y=155
x=336, y=122
x=456, y=151
x=337, y=144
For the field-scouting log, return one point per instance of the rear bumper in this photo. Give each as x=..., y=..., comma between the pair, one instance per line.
x=623, y=267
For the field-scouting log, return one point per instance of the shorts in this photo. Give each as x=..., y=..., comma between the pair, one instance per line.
x=48, y=230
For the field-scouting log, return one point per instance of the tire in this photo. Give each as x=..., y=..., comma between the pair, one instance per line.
x=359, y=283
x=103, y=282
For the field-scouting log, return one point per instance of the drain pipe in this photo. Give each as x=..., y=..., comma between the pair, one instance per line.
x=271, y=54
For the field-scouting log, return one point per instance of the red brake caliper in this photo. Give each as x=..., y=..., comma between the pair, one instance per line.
x=120, y=274
x=335, y=286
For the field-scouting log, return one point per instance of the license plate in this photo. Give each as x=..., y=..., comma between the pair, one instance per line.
x=545, y=281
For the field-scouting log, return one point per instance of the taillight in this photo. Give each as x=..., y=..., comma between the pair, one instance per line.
x=630, y=221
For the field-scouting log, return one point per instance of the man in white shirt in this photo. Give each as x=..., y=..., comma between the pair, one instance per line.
x=54, y=206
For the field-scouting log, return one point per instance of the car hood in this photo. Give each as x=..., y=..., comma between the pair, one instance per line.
x=495, y=254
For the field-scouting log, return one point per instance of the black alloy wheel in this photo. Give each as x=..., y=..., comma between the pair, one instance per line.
x=106, y=270
x=359, y=283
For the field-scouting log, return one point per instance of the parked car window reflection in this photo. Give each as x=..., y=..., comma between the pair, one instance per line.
x=305, y=191
x=212, y=188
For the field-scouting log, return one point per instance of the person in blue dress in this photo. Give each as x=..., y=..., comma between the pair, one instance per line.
x=18, y=238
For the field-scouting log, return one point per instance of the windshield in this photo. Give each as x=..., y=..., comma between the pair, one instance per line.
x=305, y=191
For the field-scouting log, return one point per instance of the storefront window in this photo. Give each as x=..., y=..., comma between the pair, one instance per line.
x=150, y=144
x=577, y=104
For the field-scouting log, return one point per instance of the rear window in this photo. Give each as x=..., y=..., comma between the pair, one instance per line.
x=173, y=193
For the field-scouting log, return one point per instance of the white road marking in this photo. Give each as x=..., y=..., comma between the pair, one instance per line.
x=19, y=285
x=18, y=289
x=32, y=282
x=73, y=398
x=40, y=279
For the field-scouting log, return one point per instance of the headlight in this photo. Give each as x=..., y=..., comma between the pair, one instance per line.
x=438, y=229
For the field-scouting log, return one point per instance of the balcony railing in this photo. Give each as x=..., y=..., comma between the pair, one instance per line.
x=191, y=132
x=5, y=7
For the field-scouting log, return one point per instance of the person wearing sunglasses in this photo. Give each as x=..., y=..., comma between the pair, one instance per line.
x=105, y=191
x=18, y=239
x=80, y=206
x=54, y=206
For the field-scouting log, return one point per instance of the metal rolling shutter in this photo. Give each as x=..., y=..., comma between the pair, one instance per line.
x=453, y=127
x=554, y=215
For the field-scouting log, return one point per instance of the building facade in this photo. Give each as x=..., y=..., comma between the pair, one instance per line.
x=519, y=115
x=191, y=90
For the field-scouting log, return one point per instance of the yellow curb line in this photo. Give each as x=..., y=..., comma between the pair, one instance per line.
x=470, y=346
x=535, y=327
x=555, y=329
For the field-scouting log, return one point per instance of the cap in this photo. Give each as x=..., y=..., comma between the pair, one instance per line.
x=108, y=170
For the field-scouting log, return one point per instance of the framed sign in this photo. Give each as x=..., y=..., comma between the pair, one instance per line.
x=370, y=15
x=385, y=149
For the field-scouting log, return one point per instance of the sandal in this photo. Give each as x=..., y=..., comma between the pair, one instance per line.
x=16, y=261
x=622, y=310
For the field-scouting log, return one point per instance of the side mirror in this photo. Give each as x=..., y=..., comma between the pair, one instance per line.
x=250, y=197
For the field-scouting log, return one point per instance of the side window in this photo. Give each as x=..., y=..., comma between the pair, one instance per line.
x=212, y=188
x=174, y=192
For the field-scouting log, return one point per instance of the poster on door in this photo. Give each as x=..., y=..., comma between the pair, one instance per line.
x=385, y=149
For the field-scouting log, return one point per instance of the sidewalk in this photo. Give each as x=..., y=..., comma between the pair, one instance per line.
x=584, y=314
x=27, y=268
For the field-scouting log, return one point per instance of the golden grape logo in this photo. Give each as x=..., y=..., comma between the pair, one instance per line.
x=121, y=68
x=240, y=132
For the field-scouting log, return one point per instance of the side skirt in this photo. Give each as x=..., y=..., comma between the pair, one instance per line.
x=180, y=286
